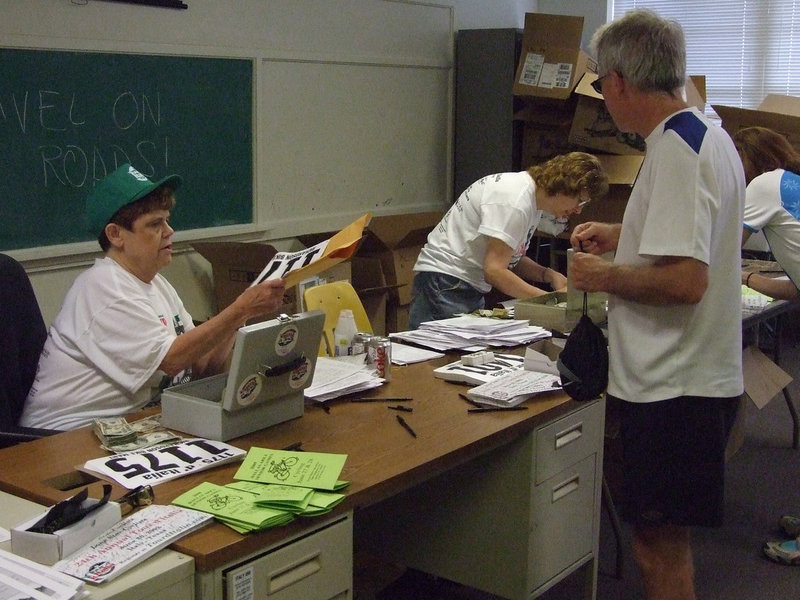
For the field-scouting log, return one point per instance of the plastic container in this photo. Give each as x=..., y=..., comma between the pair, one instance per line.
x=343, y=333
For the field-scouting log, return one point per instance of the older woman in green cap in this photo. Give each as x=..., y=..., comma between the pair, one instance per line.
x=123, y=333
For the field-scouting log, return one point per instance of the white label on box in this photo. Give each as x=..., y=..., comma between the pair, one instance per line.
x=531, y=69
x=556, y=75
x=243, y=585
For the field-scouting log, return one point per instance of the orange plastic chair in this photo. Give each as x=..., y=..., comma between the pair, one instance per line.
x=332, y=298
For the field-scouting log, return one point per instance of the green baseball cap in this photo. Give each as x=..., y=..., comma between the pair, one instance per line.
x=119, y=188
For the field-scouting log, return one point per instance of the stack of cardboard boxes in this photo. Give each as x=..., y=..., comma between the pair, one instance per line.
x=563, y=113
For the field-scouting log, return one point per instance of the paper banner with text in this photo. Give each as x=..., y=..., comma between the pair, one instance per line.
x=295, y=267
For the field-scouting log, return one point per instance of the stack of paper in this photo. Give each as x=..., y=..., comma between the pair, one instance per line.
x=514, y=388
x=271, y=488
x=23, y=578
x=131, y=541
x=403, y=354
x=471, y=333
x=235, y=508
x=334, y=377
x=503, y=364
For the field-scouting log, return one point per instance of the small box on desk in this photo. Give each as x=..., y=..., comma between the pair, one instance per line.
x=49, y=548
x=551, y=312
x=271, y=364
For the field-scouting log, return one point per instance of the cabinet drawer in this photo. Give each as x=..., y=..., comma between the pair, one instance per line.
x=318, y=566
x=563, y=521
x=569, y=439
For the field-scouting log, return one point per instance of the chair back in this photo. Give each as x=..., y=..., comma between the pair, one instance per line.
x=23, y=332
x=332, y=298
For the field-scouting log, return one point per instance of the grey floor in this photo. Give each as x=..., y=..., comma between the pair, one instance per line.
x=763, y=482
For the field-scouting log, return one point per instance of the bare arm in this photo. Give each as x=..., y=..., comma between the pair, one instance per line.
x=782, y=289
x=497, y=273
x=206, y=347
x=670, y=280
x=530, y=270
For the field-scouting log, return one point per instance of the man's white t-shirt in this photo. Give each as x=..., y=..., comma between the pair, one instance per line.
x=103, y=349
x=502, y=206
x=687, y=202
x=772, y=205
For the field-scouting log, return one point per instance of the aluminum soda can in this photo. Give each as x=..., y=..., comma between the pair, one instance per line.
x=360, y=343
x=380, y=355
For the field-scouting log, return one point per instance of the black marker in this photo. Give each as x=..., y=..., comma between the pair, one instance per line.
x=405, y=425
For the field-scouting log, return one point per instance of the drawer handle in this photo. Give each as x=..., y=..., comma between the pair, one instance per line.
x=291, y=574
x=569, y=435
x=565, y=488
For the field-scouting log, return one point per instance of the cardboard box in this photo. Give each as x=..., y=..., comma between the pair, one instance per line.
x=383, y=267
x=396, y=241
x=551, y=62
x=780, y=113
x=550, y=311
x=235, y=265
x=593, y=128
x=49, y=548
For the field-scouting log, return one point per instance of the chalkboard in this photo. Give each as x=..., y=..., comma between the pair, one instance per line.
x=69, y=118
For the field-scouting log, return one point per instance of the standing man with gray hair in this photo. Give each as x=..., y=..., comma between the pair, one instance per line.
x=674, y=299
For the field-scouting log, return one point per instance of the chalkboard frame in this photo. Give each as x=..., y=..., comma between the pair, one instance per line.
x=67, y=117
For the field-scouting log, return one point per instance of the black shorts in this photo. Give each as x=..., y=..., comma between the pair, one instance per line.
x=674, y=460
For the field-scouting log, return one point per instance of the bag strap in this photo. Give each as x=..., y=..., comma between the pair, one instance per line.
x=585, y=295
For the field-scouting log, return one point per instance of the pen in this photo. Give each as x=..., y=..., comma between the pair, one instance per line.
x=405, y=425
x=381, y=399
x=295, y=446
x=403, y=408
x=495, y=409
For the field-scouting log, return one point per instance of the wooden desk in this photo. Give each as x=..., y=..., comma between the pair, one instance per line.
x=520, y=449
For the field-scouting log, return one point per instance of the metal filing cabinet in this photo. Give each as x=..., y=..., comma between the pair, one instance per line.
x=512, y=522
x=316, y=565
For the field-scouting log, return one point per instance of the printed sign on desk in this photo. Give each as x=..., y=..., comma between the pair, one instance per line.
x=151, y=466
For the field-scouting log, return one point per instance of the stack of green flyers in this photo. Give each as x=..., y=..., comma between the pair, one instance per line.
x=235, y=508
x=305, y=502
x=271, y=487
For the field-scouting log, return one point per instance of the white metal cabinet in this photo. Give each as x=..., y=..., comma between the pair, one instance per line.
x=315, y=565
x=513, y=522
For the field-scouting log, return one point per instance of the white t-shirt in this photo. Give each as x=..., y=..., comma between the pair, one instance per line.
x=772, y=205
x=687, y=202
x=103, y=349
x=501, y=206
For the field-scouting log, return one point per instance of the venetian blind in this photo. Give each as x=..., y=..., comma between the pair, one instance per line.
x=745, y=48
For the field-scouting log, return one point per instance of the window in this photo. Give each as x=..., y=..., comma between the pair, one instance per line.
x=745, y=48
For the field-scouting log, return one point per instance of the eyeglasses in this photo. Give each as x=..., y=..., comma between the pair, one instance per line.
x=597, y=86
x=582, y=203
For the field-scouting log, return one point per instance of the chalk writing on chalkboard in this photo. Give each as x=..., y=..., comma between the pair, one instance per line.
x=69, y=118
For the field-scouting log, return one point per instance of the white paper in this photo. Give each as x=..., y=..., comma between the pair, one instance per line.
x=131, y=541
x=514, y=388
x=472, y=333
x=503, y=364
x=403, y=354
x=151, y=466
x=21, y=578
x=284, y=263
x=335, y=377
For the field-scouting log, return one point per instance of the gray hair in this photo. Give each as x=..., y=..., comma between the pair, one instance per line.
x=646, y=49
